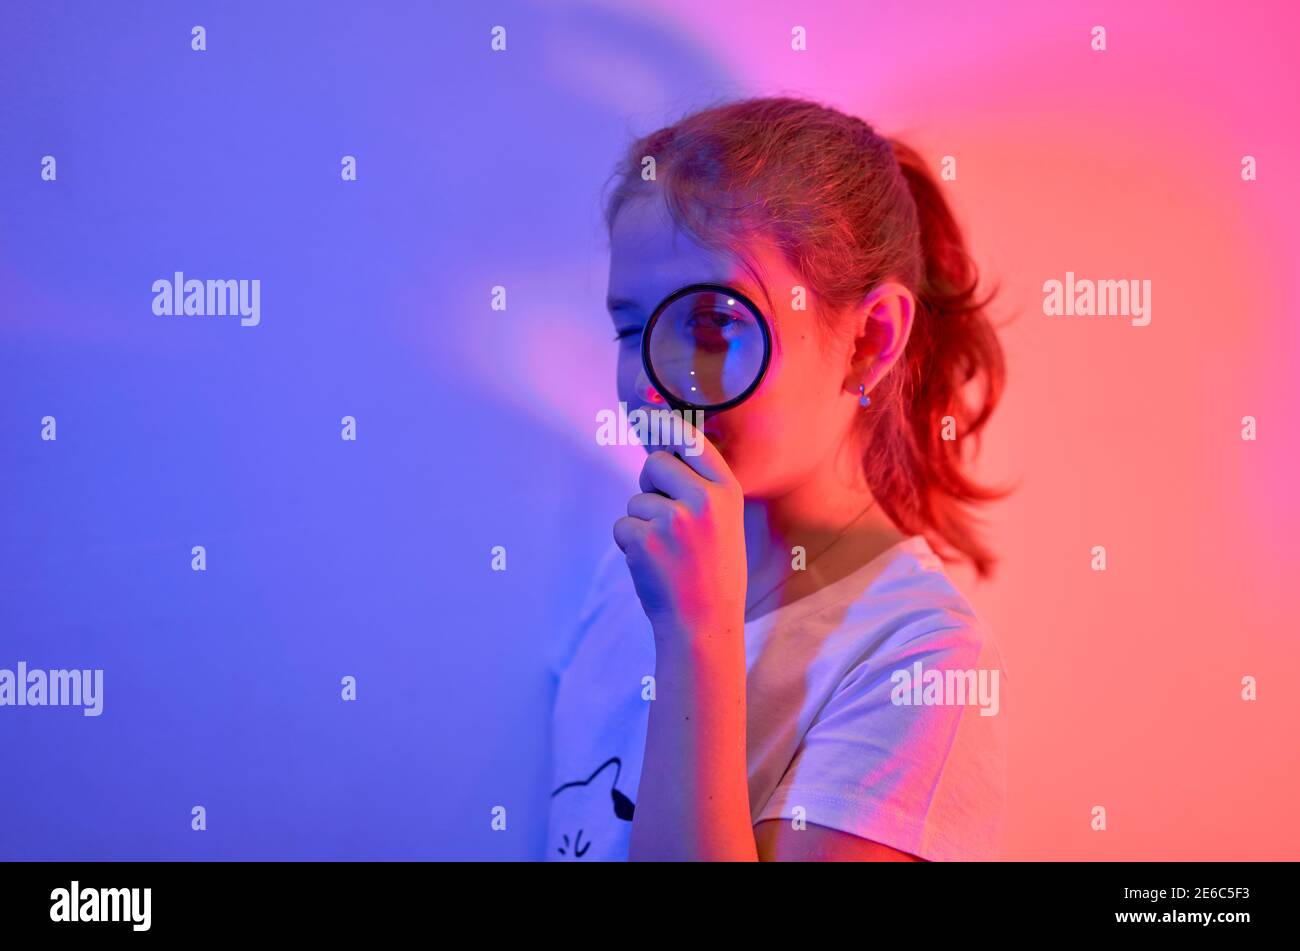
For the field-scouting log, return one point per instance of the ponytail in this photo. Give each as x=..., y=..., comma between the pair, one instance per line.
x=953, y=347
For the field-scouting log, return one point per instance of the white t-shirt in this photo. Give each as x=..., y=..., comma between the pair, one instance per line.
x=846, y=725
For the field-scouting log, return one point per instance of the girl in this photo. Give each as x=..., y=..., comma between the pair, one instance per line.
x=773, y=664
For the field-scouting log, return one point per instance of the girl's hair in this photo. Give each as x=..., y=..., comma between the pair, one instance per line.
x=849, y=208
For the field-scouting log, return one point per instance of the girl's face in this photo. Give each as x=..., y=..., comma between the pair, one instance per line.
x=802, y=411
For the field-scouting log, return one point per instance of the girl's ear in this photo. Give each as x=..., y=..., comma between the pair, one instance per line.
x=882, y=326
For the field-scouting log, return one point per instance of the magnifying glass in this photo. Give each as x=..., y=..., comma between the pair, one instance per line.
x=706, y=347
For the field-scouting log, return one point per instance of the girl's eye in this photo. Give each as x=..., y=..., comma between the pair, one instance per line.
x=626, y=333
x=713, y=320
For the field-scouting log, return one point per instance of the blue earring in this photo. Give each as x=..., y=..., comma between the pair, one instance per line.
x=863, y=399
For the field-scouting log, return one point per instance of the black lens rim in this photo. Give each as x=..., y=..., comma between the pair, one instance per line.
x=681, y=404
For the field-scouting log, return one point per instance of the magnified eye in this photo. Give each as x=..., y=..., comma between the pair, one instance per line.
x=714, y=320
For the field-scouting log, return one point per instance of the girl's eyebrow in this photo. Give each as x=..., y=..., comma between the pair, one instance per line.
x=615, y=304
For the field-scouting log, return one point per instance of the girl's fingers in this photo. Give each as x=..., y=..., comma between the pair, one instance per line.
x=666, y=474
x=649, y=506
x=628, y=531
x=701, y=455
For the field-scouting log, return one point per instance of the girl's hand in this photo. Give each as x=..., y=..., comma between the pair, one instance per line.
x=684, y=539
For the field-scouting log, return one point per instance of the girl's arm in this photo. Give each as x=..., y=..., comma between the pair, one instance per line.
x=684, y=539
x=693, y=801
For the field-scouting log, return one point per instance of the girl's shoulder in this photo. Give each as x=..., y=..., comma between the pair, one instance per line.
x=913, y=608
x=901, y=604
x=609, y=587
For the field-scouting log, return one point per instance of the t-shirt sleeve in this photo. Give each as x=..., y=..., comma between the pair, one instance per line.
x=910, y=750
x=611, y=564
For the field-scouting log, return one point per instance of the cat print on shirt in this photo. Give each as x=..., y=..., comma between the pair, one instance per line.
x=603, y=782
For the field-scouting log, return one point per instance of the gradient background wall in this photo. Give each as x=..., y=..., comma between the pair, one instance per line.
x=476, y=427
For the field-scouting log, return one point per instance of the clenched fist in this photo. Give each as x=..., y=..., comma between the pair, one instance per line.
x=684, y=539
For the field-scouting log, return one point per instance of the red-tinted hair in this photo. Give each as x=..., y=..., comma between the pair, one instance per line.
x=850, y=208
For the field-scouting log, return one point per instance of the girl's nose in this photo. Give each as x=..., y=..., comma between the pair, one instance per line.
x=646, y=391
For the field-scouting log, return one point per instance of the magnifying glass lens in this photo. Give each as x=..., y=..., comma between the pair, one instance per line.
x=706, y=349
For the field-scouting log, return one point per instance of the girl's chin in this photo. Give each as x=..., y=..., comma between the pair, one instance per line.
x=720, y=441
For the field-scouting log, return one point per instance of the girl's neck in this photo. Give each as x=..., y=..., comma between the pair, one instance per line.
x=813, y=516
